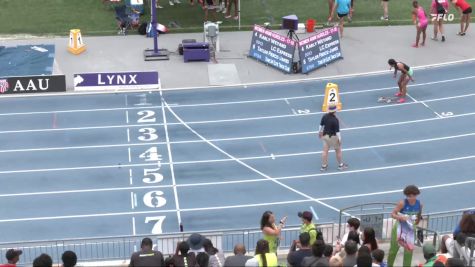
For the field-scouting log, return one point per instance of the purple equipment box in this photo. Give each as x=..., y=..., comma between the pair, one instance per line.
x=195, y=52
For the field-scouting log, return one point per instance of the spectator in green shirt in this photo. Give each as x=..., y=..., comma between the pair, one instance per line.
x=308, y=226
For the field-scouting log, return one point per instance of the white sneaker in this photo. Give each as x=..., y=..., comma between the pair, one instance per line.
x=171, y=2
x=158, y=6
x=224, y=10
x=177, y=2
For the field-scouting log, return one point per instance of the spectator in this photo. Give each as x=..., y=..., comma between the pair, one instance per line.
x=262, y=256
x=270, y=231
x=43, y=260
x=384, y=4
x=454, y=262
x=353, y=224
x=364, y=259
x=317, y=255
x=216, y=259
x=195, y=241
x=239, y=258
x=202, y=260
x=342, y=8
x=69, y=259
x=183, y=256
x=336, y=261
x=420, y=20
x=407, y=210
x=173, y=2
x=328, y=252
x=13, y=256
x=295, y=257
x=447, y=246
x=378, y=258
x=350, y=249
x=430, y=255
x=228, y=9
x=466, y=227
x=369, y=238
x=157, y=4
x=146, y=256
x=465, y=10
x=308, y=226
x=210, y=6
x=439, y=9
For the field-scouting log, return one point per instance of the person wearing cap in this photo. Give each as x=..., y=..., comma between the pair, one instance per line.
x=308, y=226
x=13, y=256
x=196, y=243
x=430, y=255
x=329, y=132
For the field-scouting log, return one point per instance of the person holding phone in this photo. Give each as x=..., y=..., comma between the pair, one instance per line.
x=271, y=231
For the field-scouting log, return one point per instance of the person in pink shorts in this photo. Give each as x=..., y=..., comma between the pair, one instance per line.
x=420, y=20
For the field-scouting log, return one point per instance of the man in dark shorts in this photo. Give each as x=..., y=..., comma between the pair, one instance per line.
x=329, y=132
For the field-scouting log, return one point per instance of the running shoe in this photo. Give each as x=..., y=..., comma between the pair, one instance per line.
x=398, y=94
x=443, y=38
x=324, y=168
x=401, y=100
x=236, y=17
x=415, y=45
x=384, y=18
x=434, y=38
x=342, y=166
x=171, y=3
x=228, y=17
x=177, y=2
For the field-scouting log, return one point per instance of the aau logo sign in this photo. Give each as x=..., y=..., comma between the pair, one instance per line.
x=33, y=84
x=4, y=86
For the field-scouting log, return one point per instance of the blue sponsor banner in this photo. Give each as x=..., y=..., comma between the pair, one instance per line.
x=117, y=80
x=272, y=48
x=320, y=49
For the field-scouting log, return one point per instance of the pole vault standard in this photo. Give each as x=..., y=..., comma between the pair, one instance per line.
x=155, y=53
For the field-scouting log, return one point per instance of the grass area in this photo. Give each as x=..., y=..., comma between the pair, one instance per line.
x=56, y=17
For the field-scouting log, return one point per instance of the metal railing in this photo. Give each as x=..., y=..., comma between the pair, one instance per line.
x=466, y=252
x=121, y=247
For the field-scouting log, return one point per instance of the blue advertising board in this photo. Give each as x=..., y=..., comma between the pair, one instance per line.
x=272, y=48
x=320, y=49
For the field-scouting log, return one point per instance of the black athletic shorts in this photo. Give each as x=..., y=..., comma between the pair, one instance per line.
x=467, y=11
x=342, y=15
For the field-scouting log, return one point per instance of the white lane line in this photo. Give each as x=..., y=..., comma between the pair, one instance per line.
x=135, y=200
x=128, y=135
x=228, y=139
x=245, y=164
x=133, y=226
x=273, y=156
x=132, y=200
x=225, y=120
x=127, y=116
x=425, y=105
x=221, y=207
x=344, y=76
x=72, y=111
x=240, y=102
x=398, y=190
x=282, y=178
x=130, y=154
x=170, y=159
x=131, y=179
